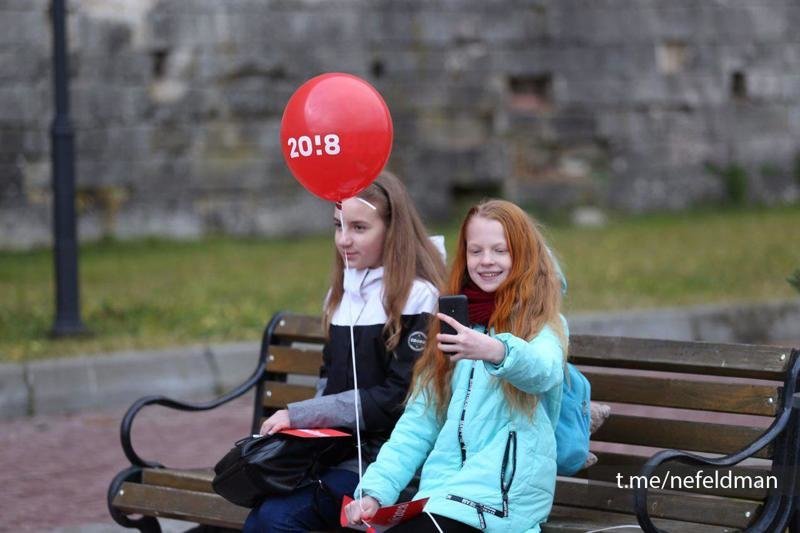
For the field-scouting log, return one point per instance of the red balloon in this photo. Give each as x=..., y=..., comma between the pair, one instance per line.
x=336, y=135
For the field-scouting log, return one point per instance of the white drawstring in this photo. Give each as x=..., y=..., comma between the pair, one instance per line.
x=435, y=523
x=615, y=527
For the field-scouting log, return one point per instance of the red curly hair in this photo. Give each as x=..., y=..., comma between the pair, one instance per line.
x=527, y=300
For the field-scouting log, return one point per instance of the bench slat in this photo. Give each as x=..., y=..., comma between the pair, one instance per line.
x=187, y=505
x=300, y=328
x=678, y=434
x=195, y=479
x=294, y=360
x=677, y=506
x=742, y=398
x=279, y=395
x=741, y=360
x=610, y=464
x=564, y=519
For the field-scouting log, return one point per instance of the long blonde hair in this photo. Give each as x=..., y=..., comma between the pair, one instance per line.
x=528, y=299
x=408, y=253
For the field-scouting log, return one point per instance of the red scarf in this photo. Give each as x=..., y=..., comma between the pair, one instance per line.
x=480, y=303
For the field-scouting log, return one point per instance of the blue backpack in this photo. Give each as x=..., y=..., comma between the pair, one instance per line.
x=572, y=430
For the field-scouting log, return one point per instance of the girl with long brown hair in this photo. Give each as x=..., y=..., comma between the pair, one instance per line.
x=385, y=280
x=482, y=413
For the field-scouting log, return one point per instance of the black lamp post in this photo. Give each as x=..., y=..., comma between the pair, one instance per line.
x=68, y=316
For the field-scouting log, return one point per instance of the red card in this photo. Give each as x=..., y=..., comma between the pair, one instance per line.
x=385, y=517
x=314, y=433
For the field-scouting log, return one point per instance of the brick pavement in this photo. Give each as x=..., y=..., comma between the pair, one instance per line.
x=56, y=469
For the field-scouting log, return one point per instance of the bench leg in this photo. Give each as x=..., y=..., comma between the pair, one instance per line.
x=794, y=523
x=145, y=524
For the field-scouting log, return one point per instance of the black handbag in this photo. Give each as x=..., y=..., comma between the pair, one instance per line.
x=261, y=466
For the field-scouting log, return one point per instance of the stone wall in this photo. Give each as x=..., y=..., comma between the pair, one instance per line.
x=632, y=104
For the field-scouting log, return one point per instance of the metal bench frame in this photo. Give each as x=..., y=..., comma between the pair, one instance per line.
x=779, y=509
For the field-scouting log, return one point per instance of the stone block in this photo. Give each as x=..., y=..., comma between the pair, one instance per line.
x=180, y=373
x=23, y=64
x=95, y=103
x=300, y=212
x=159, y=219
x=22, y=104
x=731, y=323
x=161, y=28
x=25, y=227
x=58, y=386
x=24, y=5
x=14, y=398
x=233, y=363
x=249, y=97
x=17, y=27
x=670, y=324
x=115, y=380
x=785, y=316
x=769, y=322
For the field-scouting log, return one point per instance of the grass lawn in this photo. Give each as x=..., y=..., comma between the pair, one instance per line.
x=150, y=294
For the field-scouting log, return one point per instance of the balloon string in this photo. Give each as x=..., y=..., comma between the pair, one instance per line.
x=355, y=376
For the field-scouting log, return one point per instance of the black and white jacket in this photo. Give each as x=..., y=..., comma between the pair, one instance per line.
x=383, y=377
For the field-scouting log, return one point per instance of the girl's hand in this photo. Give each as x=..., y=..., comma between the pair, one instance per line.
x=468, y=343
x=278, y=421
x=359, y=510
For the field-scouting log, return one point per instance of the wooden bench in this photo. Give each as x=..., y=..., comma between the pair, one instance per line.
x=735, y=406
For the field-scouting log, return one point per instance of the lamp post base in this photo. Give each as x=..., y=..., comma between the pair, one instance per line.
x=69, y=328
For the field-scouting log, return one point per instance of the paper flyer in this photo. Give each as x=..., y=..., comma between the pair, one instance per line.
x=385, y=517
x=314, y=433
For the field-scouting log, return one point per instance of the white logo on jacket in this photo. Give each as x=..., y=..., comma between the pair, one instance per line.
x=417, y=340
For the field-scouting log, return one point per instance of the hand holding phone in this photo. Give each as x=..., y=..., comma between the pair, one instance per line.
x=469, y=344
x=454, y=306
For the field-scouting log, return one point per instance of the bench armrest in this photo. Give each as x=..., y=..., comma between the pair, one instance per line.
x=255, y=380
x=784, y=432
x=138, y=405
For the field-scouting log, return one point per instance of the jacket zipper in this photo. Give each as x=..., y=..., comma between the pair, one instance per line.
x=510, y=454
x=461, y=443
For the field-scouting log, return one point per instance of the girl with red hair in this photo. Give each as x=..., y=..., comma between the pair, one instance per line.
x=481, y=416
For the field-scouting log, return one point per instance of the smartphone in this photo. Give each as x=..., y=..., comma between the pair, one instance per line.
x=456, y=307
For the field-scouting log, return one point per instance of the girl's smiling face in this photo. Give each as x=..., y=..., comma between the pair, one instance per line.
x=361, y=242
x=488, y=256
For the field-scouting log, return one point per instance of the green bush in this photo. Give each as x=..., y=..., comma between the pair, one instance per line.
x=794, y=280
x=735, y=181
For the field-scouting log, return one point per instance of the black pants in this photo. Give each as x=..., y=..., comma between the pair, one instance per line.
x=422, y=523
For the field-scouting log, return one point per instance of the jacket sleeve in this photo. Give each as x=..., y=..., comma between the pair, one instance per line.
x=533, y=367
x=382, y=404
x=403, y=454
x=335, y=410
x=332, y=410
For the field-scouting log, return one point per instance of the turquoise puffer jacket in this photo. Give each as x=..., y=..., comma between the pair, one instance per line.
x=496, y=470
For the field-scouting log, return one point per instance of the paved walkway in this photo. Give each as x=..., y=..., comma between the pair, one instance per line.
x=56, y=469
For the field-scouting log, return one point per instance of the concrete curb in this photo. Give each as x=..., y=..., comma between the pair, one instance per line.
x=118, y=379
x=767, y=322
x=204, y=372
